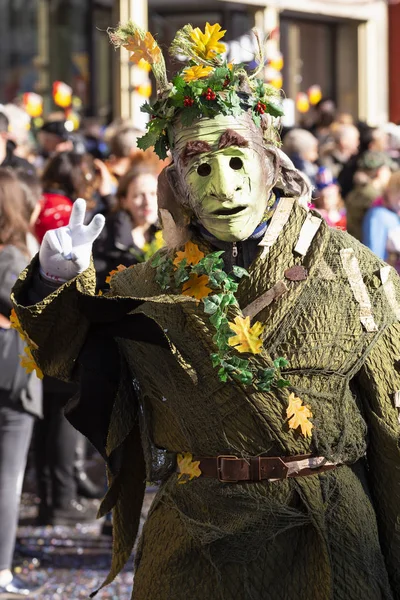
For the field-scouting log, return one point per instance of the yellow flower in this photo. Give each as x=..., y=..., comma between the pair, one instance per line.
x=29, y=364
x=188, y=468
x=207, y=44
x=298, y=415
x=194, y=73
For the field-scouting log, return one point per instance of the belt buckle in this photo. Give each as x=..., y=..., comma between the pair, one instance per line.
x=219, y=467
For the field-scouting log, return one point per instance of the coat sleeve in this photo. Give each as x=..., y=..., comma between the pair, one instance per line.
x=378, y=384
x=55, y=324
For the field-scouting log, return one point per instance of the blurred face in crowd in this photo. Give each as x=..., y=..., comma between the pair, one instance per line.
x=349, y=140
x=141, y=199
x=393, y=200
x=329, y=197
x=311, y=153
x=50, y=143
x=380, y=141
x=384, y=174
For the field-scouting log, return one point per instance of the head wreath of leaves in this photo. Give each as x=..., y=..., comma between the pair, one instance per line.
x=205, y=87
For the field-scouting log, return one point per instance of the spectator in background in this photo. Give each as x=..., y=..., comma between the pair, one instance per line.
x=20, y=393
x=122, y=146
x=371, y=179
x=302, y=149
x=133, y=224
x=32, y=188
x=336, y=154
x=328, y=201
x=53, y=137
x=383, y=219
x=325, y=112
x=8, y=158
x=69, y=176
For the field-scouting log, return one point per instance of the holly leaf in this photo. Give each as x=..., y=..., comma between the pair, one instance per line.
x=147, y=108
x=274, y=109
x=247, y=339
x=161, y=147
x=196, y=287
x=299, y=415
x=179, y=83
x=188, y=115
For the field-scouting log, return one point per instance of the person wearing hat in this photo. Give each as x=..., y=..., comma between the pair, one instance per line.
x=373, y=173
x=54, y=136
x=328, y=201
x=250, y=367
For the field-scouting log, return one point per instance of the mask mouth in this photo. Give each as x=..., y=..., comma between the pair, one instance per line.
x=228, y=212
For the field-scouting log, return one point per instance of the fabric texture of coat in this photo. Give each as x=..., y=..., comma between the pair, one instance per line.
x=329, y=536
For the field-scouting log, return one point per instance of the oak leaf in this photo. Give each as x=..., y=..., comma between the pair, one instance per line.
x=192, y=254
x=299, y=415
x=143, y=48
x=196, y=286
x=207, y=44
x=29, y=364
x=247, y=339
x=15, y=324
x=188, y=468
x=114, y=271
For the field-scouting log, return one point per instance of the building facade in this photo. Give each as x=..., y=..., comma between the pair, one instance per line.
x=339, y=45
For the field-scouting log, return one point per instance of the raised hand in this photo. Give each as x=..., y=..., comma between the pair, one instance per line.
x=65, y=252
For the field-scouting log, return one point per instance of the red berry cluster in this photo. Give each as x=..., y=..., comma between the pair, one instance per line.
x=226, y=82
x=188, y=101
x=153, y=117
x=260, y=107
x=209, y=94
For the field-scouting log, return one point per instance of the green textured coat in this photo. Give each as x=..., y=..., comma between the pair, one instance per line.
x=333, y=536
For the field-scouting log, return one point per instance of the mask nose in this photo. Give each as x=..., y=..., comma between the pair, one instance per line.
x=225, y=181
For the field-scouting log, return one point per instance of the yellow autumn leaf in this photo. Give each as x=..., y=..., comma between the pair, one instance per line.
x=196, y=287
x=299, y=415
x=15, y=324
x=247, y=339
x=29, y=364
x=207, y=44
x=192, y=254
x=114, y=271
x=187, y=467
x=194, y=73
x=146, y=48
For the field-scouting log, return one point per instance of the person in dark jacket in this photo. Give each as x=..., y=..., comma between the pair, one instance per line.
x=132, y=225
x=21, y=396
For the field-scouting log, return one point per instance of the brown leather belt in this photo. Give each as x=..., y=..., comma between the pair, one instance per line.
x=231, y=469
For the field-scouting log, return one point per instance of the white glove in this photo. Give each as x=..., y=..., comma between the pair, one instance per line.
x=65, y=252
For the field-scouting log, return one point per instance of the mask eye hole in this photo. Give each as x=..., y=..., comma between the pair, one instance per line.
x=204, y=169
x=236, y=163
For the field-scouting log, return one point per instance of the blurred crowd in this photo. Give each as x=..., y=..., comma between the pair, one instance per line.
x=353, y=171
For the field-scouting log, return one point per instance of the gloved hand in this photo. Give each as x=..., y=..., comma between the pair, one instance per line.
x=65, y=252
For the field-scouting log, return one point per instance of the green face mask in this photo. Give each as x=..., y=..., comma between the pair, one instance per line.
x=226, y=186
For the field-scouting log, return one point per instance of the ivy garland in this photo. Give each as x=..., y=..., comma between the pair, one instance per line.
x=216, y=306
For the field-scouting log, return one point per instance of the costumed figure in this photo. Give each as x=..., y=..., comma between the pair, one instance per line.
x=251, y=367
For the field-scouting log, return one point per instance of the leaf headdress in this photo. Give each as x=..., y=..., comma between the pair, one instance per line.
x=205, y=87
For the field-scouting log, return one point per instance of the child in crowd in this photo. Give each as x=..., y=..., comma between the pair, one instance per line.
x=383, y=220
x=328, y=201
